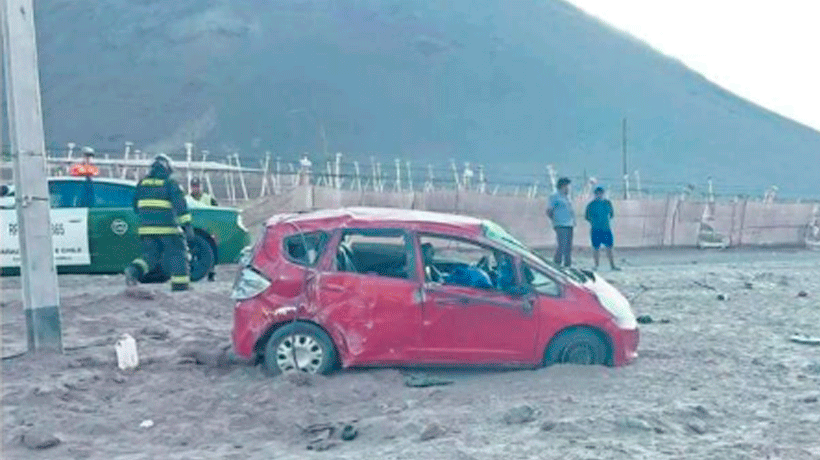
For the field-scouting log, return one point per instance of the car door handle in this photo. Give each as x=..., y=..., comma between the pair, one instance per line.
x=335, y=288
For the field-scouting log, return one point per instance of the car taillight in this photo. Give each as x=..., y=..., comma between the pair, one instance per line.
x=249, y=283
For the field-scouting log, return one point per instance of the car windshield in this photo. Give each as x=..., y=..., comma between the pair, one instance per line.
x=498, y=234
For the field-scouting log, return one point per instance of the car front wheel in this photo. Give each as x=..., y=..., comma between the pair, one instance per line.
x=577, y=346
x=202, y=257
x=299, y=347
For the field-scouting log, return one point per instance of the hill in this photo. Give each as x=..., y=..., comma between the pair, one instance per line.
x=514, y=85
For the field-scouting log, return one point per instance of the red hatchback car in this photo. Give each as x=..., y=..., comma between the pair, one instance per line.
x=383, y=287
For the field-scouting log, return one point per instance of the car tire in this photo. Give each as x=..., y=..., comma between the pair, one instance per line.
x=315, y=352
x=202, y=257
x=577, y=346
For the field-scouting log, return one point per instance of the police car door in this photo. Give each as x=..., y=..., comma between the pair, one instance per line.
x=113, y=227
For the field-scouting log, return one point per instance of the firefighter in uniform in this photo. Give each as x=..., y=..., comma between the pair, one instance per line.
x=160, y=205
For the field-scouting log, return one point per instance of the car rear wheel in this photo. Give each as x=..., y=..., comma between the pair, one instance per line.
x=202, y=257
x=577, y=346
x=299, y=347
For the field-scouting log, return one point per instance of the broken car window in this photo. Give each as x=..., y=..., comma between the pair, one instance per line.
x=375, y=252
x=305, y=248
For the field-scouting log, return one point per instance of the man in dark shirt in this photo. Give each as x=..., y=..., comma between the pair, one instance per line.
x=599, y=212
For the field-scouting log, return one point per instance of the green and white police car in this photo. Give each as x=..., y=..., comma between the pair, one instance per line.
x=94, y=230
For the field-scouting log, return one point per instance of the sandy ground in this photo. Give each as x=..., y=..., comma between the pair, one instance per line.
x=715, y=379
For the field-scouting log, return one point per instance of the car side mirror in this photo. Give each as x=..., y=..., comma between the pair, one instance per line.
x=518, y=290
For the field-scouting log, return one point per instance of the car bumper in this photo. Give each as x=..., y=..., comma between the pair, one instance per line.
x=624, y=346
x=245, y=330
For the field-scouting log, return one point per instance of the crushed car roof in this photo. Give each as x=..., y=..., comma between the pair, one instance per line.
x=366, y=216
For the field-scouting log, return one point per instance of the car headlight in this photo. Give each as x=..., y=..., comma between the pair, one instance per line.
x=615, y=303
x=239, y=222
x=620, y=310
x=249, y=283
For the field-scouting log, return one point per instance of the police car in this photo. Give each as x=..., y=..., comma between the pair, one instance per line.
x=94, y=230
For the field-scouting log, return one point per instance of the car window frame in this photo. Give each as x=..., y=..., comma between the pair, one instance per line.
x=558, y=283
x=320, y=254
x=409, y=242
x=516, y=260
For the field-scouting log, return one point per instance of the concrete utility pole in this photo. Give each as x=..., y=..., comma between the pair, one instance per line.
x=41, y=297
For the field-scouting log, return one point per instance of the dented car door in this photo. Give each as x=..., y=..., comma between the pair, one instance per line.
x=375, y=315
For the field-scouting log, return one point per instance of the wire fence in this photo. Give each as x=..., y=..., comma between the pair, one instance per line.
x=265, y=173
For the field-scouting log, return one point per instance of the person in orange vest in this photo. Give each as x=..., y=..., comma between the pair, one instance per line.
x=86, y=168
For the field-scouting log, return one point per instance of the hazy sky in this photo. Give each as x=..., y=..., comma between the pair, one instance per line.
x=766, y=51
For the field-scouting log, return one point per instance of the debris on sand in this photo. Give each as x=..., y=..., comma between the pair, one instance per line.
x=126, y=348
x=349, y=433
x=423, y=380
x=432, y=431
x=519, y=415
x=38, y=439
x=147, y=424
x=805, y=339
x=802, y=294
x=644, y=319
x=723, y=297
x=748, y=285
x=323, y=435
x=809, y=399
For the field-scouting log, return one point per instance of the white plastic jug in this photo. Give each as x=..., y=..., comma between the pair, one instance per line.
x=127, y=352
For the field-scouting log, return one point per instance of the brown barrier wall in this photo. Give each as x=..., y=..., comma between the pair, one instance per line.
x=638, y=223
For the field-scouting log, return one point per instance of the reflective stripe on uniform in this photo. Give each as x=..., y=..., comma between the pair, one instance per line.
x=142, y=264
x=165, y=204
x=151, y=182
x=184, y=219
x=180, y=279
x=155, y=230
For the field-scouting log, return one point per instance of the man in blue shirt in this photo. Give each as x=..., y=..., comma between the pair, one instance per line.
x=599, y=212
x=560, y=211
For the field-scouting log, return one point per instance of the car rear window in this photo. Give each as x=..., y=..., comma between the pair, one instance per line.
x=305, y=248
